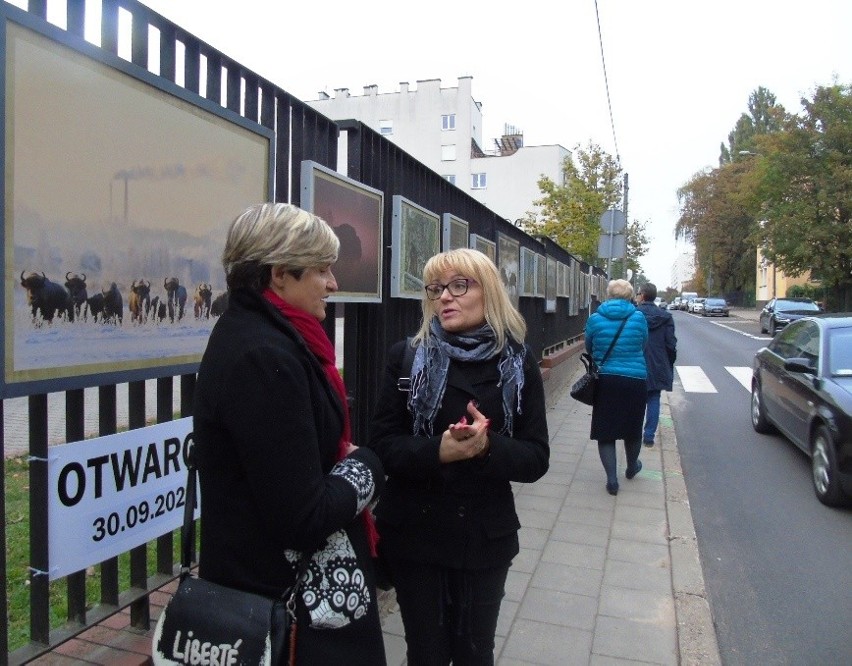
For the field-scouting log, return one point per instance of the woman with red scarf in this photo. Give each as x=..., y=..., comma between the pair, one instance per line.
x=279, y=475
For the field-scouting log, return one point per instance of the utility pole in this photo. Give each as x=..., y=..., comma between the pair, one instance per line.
x=626, y=222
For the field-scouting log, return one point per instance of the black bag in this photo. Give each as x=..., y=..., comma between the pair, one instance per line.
x=209, y=623
x=205, y=622
x=585, y=388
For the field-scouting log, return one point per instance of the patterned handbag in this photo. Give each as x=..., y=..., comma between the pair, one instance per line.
x=208, y=623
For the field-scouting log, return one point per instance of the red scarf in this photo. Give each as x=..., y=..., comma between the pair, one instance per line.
x=315, y=337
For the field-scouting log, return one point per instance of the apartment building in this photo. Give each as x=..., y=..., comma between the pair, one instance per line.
x=683, y=270
x=442, y=127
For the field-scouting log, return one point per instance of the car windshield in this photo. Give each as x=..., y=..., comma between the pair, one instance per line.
x=782, y=304
x=715, y=301
x=840, y=352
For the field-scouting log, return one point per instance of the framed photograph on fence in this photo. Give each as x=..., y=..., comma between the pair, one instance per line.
x=355, y=212
x=455, y=233
x=119, y=189
x=487, y=247
x=416, y=237
x=540, y=275
x=527, y=272
x=508, y=263
x=550, y=287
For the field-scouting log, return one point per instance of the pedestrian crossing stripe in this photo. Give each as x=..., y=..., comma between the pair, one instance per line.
x=741, y=374
x=694, y=380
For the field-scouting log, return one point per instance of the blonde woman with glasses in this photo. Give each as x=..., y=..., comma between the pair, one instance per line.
x=471, y=421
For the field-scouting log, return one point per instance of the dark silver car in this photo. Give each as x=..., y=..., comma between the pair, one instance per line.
x=779, y=312
x=716, y=307
x=802, y=386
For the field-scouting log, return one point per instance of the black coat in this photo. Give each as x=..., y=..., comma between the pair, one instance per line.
x=461, y=514
x=267, y=425
x=661, y=348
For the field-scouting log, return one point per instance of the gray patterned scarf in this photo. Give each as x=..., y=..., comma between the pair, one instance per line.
x=432, y=362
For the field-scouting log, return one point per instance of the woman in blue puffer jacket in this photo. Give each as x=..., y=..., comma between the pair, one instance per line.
x=619, y=408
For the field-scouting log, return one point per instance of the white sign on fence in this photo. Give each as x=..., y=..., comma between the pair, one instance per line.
x=111, y=494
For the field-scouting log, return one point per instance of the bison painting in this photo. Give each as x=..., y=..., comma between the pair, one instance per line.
x=46, y=299
x=113, y=305
x=202, y=298
x=139, y=301
x=175, y=297
x=76, y=285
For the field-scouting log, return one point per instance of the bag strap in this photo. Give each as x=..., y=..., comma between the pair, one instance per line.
x=612, y=344
x=404, y=381
x=187, y=533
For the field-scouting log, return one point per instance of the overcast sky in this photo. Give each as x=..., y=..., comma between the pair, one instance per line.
x=679, y=71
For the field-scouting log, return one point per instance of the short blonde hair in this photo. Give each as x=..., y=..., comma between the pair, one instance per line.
x=500, y=313
x=275, y=234
x=619, y=289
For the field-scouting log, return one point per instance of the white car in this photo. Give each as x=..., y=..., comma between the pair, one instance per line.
x=696, y=305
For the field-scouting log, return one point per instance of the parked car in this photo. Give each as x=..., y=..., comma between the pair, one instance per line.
x=673, y=305
x=696, y=305
x=802, y=386
x=779, y=312
x=684, y=299
x=715, y=307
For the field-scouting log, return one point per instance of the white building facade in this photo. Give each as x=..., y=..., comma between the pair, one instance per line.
x=683, y=270
x=442, y=128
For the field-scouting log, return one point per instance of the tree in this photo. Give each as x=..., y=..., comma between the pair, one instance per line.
x=718, y=211
x=764, y=116
x=636, y=246
x=720, y=207
x=569, y=214
x=806, y=188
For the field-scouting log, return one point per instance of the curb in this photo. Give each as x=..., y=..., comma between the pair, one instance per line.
x=696, y=632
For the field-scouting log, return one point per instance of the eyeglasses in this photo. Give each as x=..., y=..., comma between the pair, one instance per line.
x=456, y=288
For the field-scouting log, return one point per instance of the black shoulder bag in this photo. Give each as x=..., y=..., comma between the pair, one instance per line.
x=209, y=623
x=585, y=388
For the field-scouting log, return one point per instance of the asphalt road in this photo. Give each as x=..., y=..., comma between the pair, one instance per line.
x=777, y=563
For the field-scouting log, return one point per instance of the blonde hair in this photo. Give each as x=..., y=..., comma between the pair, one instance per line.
x=276, y=234
x=500, y=313
x=619, y=289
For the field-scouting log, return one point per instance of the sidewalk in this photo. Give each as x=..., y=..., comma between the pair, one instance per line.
x=599, y=579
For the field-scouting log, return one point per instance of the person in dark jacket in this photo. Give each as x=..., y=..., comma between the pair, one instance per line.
x=473, y=421
x=660, y=355
x=279, y=474
x=621, y=393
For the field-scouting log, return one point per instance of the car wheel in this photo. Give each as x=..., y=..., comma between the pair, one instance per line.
x=762, y=327
x=824, y=469
x=773, y=329
x=758, y=417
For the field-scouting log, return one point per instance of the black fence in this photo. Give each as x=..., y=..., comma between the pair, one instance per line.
x=300, y=133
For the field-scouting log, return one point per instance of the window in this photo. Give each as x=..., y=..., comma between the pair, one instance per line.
x=386, y=126
x=448, y=153
x=478, y=181
x=450, y=178
x=448, y=122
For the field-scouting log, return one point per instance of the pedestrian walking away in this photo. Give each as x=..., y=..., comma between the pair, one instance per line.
x=615, y=337
x=660, y=355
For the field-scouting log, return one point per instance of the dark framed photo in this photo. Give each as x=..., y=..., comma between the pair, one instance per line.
x=119, y=189
x=487, y=247
x=508, y=263
x=455, y=233
x=416, y=237
x=355, y=212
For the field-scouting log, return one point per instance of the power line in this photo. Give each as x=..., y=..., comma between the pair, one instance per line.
x=606, y=82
